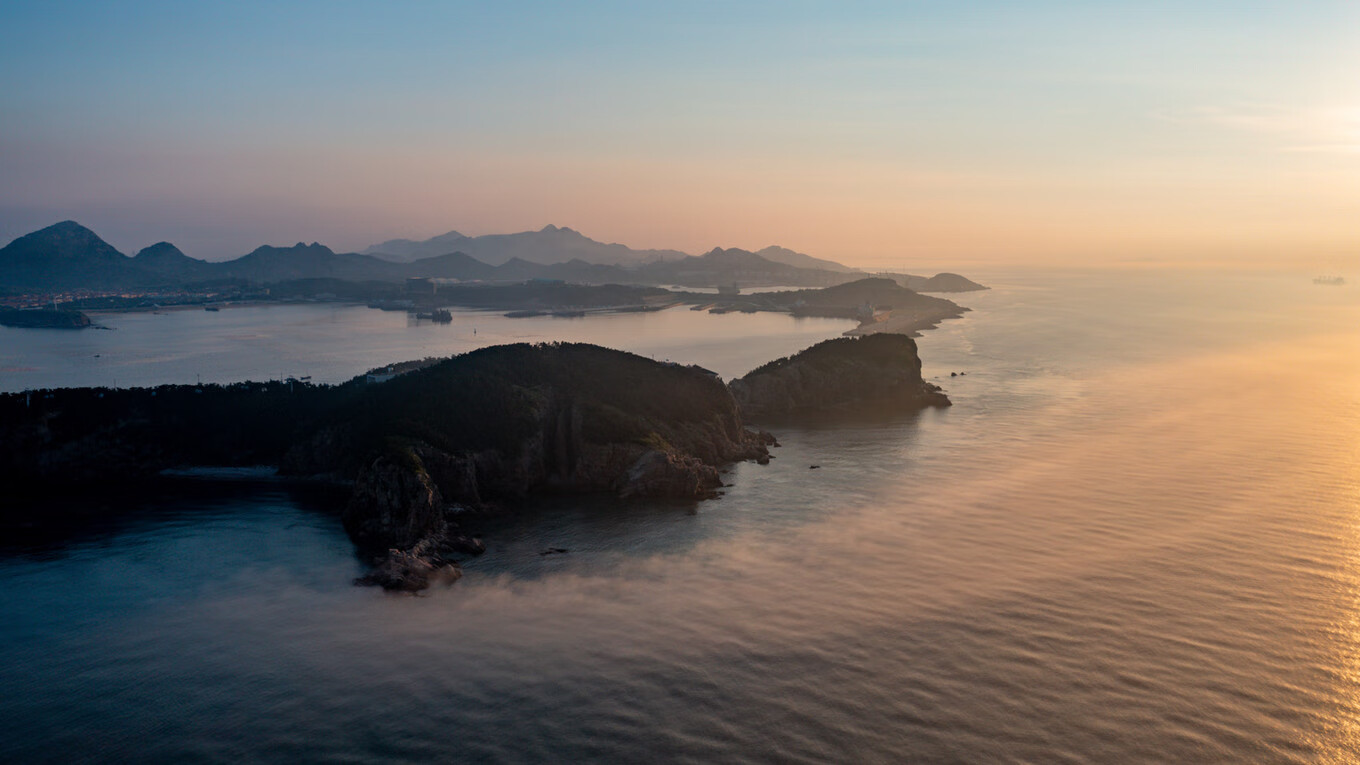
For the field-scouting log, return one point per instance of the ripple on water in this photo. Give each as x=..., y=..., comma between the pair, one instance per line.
x=1127, y=546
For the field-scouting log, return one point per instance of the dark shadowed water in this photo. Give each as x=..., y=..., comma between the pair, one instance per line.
x=1134, y=538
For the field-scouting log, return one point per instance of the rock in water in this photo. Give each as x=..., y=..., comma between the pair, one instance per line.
x=411, y=570
x=667, y=474
x=875, y=371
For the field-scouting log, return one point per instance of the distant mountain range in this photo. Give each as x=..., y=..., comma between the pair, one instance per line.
x=68, y=256
x=548, y=245
x=553, y=244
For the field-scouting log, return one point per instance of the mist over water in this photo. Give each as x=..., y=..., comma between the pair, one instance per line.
x=1133, y=538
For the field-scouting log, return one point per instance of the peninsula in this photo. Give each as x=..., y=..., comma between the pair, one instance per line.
x=878, y=372
x=50, y=318
x=474, y=433
x=469, y=433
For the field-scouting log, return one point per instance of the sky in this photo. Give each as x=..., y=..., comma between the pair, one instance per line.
x=877, y=134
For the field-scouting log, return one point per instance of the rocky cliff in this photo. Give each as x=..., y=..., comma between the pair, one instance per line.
x=496, y=424
x=881, y=371
x=470, y=433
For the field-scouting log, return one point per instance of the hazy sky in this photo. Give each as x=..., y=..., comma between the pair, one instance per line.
x=892, y=133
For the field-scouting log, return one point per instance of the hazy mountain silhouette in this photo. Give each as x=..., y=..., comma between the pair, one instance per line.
x=165, y=262
x=407, y=250
x=550, y=244
x=63, y=256
x=69, y=256
x=719, y=266
x=789, y=257
x=553, y=244
x=305, y=261
x=455, y=265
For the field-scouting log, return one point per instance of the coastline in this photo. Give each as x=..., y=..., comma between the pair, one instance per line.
x=909, y=323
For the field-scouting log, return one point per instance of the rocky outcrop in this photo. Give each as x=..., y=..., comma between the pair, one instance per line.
x=398, y=512
x=876, y=371
x=405, y=504
x=394, y=505
x=560, y=418
x=471, y=433
x=667, y=474
x=411, y=570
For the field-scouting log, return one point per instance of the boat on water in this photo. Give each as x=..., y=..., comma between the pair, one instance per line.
x=1330, y=281
x=440, y=316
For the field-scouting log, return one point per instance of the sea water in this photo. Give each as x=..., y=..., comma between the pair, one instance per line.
x=1135, y=537
x=333, y=342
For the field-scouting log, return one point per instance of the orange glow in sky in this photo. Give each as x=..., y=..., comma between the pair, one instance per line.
x=892, y=134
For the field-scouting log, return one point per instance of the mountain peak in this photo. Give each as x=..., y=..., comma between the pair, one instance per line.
x=66, y=240
x=549, y=244
x=67, y=229
x=160, y=250
x=62, y=255
x=780, y=254
x=301, y=248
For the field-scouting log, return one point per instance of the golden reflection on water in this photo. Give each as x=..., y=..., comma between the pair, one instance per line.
x=1340, y=740
x=1189, y=530
x=1134, y=538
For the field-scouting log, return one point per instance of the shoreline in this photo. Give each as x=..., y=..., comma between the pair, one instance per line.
x=909, y=324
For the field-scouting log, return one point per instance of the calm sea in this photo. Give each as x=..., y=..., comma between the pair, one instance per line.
x=332, y=342
x=1134, y=538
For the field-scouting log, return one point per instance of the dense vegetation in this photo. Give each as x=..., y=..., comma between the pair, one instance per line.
x=46, y=317
x=75, y=435
x=873, y=374
x=489, y=399
x=879, y=292
x=494, y=397
x=885, y=348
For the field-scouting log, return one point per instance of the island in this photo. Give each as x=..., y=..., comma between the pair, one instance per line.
x=876, y=302
x=877, y=372
x=423, y=445
x=470, y=433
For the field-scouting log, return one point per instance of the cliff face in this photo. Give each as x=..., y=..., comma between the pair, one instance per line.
x=499, y=423
x=464, y=433
x=398, y=512
x=881, y=370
